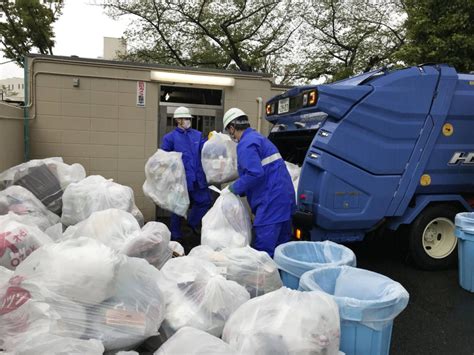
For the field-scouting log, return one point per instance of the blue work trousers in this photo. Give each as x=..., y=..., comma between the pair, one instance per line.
x=269, y=236
x=200, y=200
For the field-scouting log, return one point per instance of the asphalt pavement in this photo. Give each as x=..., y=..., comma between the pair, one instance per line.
x=439, y=318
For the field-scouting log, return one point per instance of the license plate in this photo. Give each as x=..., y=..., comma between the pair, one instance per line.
x=284, y=105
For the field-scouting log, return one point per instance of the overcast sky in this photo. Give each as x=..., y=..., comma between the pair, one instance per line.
x=79, y=31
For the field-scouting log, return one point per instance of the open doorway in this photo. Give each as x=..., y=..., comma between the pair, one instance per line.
x=206, y=106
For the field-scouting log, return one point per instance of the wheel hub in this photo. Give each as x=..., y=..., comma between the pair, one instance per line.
x=438, y=238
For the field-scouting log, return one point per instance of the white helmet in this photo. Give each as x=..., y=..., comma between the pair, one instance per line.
x=182, y=112
x=231, y=115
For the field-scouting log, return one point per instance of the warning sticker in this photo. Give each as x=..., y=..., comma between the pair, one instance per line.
x=121, y=317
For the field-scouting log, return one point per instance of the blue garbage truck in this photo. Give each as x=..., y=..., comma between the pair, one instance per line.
x=386, y=148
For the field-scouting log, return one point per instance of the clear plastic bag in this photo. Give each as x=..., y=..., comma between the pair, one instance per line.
x=93, y=194
x=111, y=227
x=176, y=248
x=152, y=244
x=45, y=178
x=285, y=322
x=120, y=231
x=18, y=200
x=363, y=296
x=253, y=269
x=191, y=341
x=165, y=182
x=226, y=224
x=295, y=172
x=18, y=240
x=197, y=296
x=5, y=275
x=48, y=344
x=82, y=289
x=219, y=159
x=133, y=313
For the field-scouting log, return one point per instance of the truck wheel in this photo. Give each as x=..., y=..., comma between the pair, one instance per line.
x=432, y=241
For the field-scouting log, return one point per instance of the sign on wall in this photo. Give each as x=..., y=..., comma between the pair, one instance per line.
x=141, y=93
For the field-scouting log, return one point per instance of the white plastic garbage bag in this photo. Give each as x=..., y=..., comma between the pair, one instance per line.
x=45, y=178
x=29, y=311
x=295, y=172
x=120, y=231
x=111, y=227
x=226, y=224
x=176, y=248
x=285, y=322
x=48, y=344
x=93, y=194
x=18, y=240
x=134, y=312
x=191, y=341
x=197, y=296
x=152, y=244
x=219, y=159
x=18, y=200
x=83, y=290
x=81, y=269
x=166, y=183
x=5, y=275
x=253, y=269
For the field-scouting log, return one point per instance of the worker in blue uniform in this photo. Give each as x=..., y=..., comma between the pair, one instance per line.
x=264, y=180
x=189, y=142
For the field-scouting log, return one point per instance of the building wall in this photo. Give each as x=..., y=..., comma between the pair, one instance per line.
x=11, y=136
x=13, y=88
x=99, y=125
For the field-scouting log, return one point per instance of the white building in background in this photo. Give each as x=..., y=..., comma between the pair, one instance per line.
x=114, y=47
x=12, y=89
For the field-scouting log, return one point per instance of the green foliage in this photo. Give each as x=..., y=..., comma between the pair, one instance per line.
x=236, y=34
x=27, y=27
x=351, y=36
x=440, y=31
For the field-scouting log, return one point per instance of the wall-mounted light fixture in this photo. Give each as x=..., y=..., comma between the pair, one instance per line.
x=192, y=78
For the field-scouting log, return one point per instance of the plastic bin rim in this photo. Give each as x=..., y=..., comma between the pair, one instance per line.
x=280, y=255
x=380, y=304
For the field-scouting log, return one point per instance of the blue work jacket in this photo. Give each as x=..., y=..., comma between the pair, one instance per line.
x=190, y=143
x=264, y=179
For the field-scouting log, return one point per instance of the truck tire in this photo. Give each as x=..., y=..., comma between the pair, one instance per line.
x=432, y=243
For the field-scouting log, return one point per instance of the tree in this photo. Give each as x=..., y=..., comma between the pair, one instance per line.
x=237, y=34
x=440, y=31
x=345, y=37
x=27, y=27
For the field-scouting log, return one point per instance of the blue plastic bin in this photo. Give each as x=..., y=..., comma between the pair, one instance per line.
x=368, y=303
x=465, y=233
x=296, y=258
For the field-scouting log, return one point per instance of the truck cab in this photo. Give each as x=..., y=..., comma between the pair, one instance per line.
x=385, y=148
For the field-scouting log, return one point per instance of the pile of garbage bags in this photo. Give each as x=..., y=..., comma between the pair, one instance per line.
x=166, y=183
x=295, y=172
x=18, y=240
x=120, y=231
x=219, y=159
x=285, y=322
x=46, y=179
x=95, y=193
x=198, y=296
x=253, y=269
x=227, y=223
x=80, y=289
